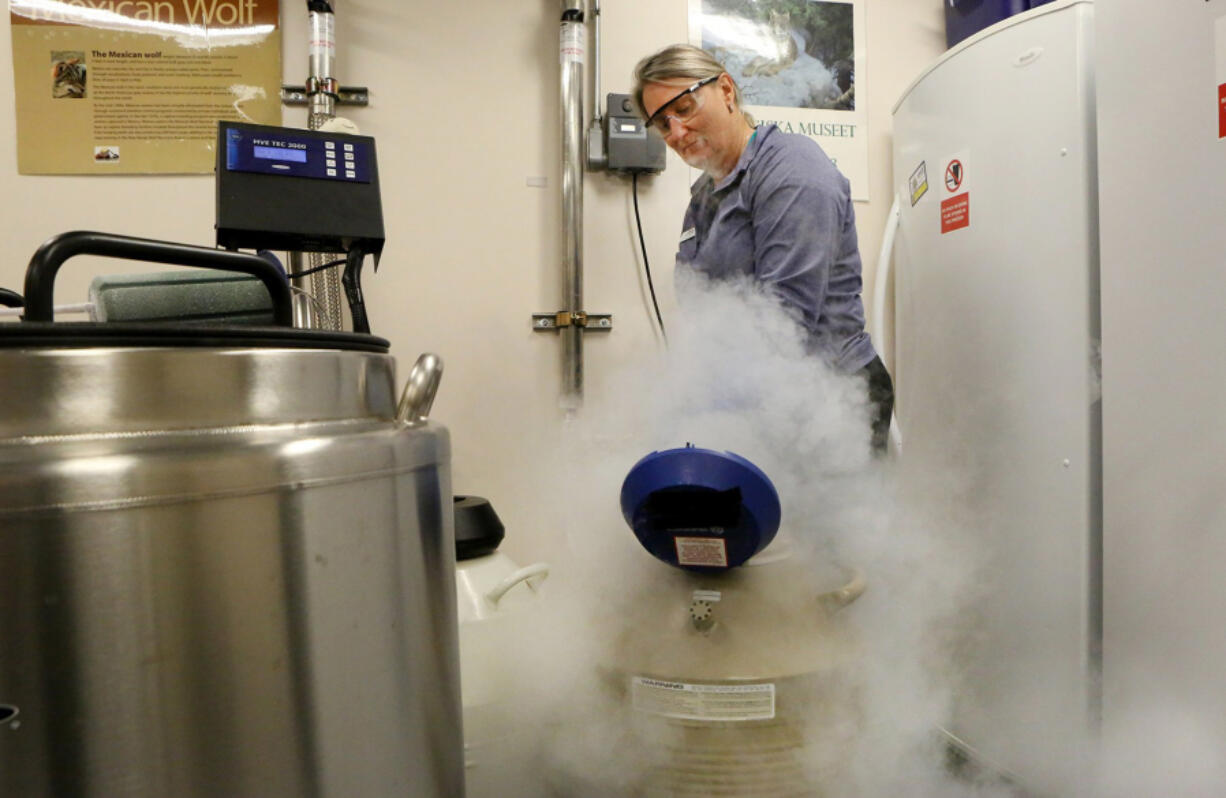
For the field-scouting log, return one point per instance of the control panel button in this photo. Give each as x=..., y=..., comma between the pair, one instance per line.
x=331, y=163
x=349, y=148
x=331, y=145
x=350, y=173
x=331, y=173
x=348, y=156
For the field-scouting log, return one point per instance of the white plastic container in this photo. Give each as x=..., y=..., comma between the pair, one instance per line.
x=495, y=600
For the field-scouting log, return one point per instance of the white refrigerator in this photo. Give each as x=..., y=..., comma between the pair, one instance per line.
x=996, y=342
x=1060, y=338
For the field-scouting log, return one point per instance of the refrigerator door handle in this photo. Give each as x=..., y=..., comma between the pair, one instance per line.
x=881, y=279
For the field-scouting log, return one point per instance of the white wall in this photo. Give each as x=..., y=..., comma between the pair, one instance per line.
x=464, y=104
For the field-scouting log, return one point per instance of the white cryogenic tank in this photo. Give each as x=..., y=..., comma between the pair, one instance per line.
x=997, y=351
x=742, y=681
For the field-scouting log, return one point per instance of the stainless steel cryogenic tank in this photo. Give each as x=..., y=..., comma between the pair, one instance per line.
x=227, y=565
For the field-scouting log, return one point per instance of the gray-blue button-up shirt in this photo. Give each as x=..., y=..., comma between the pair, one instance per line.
x=784, y=218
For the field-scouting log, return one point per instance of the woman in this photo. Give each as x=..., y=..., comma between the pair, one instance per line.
x=770, y=206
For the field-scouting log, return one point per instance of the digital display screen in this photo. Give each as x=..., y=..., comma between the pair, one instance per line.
x=292, y=153
x=280, y=154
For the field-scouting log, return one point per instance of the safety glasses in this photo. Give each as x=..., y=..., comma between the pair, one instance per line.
x=683, y=107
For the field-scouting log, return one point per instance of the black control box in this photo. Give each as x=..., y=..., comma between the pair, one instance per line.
x=299, y=190
x=631, y=147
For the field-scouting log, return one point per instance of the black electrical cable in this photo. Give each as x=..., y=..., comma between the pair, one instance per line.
x=643, y=243
x=11, y=299
x=319, y=268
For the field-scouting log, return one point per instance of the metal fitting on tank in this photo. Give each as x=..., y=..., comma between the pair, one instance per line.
x=702, y=609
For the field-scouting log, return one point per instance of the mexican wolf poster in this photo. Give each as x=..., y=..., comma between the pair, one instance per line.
x=138, y=86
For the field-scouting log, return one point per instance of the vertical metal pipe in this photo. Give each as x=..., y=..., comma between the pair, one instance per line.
x=322, y=92
x=573, y=46
x=597, y=99
x=322, y=87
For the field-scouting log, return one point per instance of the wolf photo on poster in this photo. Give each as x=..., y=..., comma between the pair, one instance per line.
x=797, y=63
x=68, y=74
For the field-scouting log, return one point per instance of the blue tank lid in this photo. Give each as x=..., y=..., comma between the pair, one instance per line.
x=700, y=509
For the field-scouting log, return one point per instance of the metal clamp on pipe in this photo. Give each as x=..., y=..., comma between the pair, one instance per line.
x=329, y=86
x=342, y=95
x=553, y=322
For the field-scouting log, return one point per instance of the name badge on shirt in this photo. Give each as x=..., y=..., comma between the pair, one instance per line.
x=687, y=235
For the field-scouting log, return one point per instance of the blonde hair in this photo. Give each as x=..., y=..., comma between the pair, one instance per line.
x=681, y=61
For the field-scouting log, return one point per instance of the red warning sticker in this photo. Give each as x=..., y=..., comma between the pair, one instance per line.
x=1221, y=111
x=1219, y=52
x=955, y=213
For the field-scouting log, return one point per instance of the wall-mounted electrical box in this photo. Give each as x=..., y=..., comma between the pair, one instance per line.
x=631, y=147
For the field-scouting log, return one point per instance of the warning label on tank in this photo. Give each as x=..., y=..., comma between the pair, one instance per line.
x=714, y=702
x=918, y=182
x=702, y=551
x=955, y=213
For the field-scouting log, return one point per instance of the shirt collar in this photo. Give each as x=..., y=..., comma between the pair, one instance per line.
x=747, y=156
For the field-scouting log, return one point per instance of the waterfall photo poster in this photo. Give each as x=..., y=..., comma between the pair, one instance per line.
x=797, y=64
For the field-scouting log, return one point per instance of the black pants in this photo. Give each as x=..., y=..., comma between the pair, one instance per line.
x=881, y=397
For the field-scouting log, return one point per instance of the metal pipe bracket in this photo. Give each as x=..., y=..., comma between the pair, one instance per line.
x=592, y=322
x=345, y=95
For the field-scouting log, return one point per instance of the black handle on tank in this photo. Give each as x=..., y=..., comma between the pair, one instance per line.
x=40, y=275
x=10, y=299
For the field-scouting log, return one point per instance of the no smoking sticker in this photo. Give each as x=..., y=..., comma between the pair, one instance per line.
x=954, y=174
x=956, y=210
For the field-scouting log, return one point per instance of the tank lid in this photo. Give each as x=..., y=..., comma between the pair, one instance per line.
x=163, y=335
x=700, y=509
x=478, y=530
